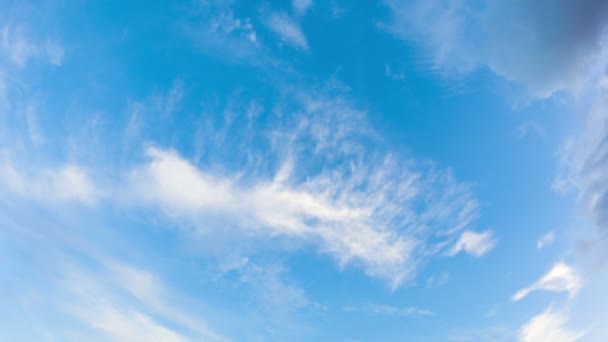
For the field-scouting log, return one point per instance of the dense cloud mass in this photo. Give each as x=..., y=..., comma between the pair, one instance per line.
x=547, y=45
x=585, y=160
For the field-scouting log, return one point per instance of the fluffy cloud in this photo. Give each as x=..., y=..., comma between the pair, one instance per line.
x=548, y=326
x=545, y=45
x=560, y=278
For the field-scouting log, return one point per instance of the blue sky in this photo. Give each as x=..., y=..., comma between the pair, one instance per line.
x=306, y=170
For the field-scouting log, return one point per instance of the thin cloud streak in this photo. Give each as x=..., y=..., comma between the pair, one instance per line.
x=560, y=278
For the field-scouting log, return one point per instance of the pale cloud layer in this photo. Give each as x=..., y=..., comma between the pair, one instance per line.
x=561, y=278
x=549, y=326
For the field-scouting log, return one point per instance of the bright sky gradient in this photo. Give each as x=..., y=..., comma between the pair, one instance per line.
x=305, y=170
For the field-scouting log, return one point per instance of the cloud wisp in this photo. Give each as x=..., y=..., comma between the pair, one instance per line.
x=560, y=278
x=289, y=31
x=476, y=244
x=545, y=240
x=388, y=310
x=67, y=183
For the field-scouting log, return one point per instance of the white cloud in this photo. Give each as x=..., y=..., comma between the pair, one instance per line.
x=545, y=240
x=301, y=6
x=476, y=244
x=323, y=182
x=289, y=31
x=388, y=310
x=65, y=183
x=546, y=45
x=350, y=225
x=560, y=278
x=273, y=208
x=548, y=326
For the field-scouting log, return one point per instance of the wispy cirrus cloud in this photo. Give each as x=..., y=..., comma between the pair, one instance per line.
x=370, y=208
x=288, y=30
x=219, y=32
x=476, y=244
x=19, y=48
x=140, y=317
